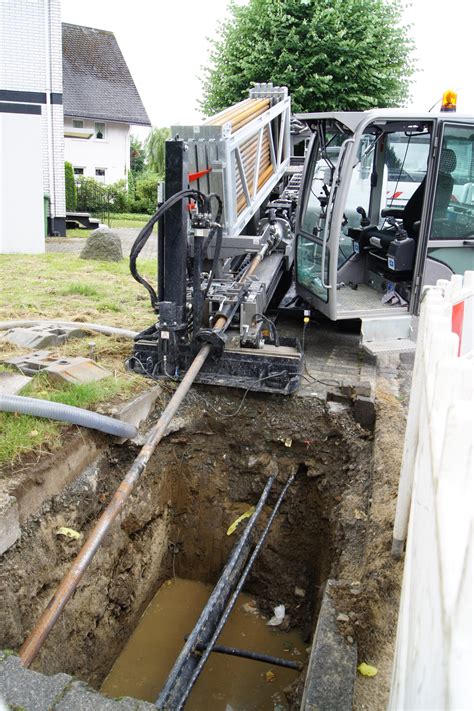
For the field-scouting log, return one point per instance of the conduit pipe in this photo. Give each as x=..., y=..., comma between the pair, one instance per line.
x=98, y=327
x=66, y=413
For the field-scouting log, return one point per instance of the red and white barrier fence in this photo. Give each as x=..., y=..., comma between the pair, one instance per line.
x=433, y=658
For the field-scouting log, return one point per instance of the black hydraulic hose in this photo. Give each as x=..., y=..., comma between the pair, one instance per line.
x=249, y=654
x=179, y=703
x=146, y=231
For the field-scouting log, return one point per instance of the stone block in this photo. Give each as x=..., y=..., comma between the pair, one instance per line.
x=332, y=664
x=9, y=522
x=28, y=690
x=76, y=371
x=41, y=336
x=103, y=245
x=12, y=383
x=364, y=412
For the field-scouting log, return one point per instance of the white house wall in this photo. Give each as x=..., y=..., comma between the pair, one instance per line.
x=31, y=75
x=111, y=152
x=21, y=184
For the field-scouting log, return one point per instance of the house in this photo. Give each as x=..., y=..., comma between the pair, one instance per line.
x=100, y=104
x=31, y=125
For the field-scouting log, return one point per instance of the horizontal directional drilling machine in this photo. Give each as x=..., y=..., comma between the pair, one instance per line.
x=380, y=204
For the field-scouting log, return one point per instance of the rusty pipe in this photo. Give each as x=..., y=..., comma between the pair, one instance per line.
x=73, y=577
x=71, y=580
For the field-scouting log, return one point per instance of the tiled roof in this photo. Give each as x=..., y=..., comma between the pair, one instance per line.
x=96, y=80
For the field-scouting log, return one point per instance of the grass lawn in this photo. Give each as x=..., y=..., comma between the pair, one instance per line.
x=59, y=286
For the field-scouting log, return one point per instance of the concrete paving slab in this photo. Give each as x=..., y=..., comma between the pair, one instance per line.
x=332, y=664
x=28, y=690
x=12, y=383
x=77, y=370
x=42, y=336
x=9, y=522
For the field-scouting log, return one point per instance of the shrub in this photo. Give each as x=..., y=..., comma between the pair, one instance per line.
x=71, y=192
x=146, y=198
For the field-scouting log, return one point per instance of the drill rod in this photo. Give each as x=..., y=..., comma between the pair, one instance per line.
x=33, y=643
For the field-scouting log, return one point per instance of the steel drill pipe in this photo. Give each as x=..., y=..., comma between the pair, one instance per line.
x=69, y=583
x=73, y=577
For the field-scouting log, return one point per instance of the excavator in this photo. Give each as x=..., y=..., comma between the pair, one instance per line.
x=380, y=204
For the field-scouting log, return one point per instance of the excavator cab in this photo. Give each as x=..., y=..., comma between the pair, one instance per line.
x=386, y=205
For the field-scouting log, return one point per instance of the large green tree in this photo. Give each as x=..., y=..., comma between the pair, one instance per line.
x=331, y=54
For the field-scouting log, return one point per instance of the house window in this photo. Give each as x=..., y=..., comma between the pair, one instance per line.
x=78, y=171
x=77, y=124
x=100, y=131
x=100, y=172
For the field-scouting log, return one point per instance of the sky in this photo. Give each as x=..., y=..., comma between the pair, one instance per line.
x=165, y=45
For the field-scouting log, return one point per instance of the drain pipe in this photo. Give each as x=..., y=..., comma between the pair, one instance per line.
x=73, y=577
x=67, y=413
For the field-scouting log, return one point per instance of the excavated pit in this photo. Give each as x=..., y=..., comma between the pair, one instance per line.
x=200, y=479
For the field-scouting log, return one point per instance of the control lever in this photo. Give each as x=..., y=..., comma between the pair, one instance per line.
x=399, y=231
x=364, y=220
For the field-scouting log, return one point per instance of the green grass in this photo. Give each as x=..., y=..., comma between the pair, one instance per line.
x=61, y=286
x=22, y=434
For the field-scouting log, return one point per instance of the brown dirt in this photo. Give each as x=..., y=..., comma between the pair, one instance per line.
x=197, y=483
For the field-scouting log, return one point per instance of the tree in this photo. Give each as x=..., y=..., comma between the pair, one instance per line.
x=155, y=150
x=137, y=155
x=70, y=185
x=331, y=54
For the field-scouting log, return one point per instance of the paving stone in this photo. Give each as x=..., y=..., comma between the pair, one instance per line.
x=12, y=383
x=75, y=370
x=80, y=697
x=9, y=522
x=27, y=689
x=42, y=336
x=364, y=412
x=332, y=664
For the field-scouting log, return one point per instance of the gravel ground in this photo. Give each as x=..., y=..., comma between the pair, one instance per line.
x=74, y=245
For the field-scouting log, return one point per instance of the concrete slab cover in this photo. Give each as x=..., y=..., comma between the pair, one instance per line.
x=332, y=664
x=76, y=370
x=9, y=522
x=12, y=383
x=41, y=336
x=27, y=689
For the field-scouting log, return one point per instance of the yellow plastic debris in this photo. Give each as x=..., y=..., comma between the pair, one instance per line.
x=68, y=532
x=34, y=433
x=234, y=525
x=269, y=676
x=367, y=669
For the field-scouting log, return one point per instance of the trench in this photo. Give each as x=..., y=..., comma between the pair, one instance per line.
x=174, y=528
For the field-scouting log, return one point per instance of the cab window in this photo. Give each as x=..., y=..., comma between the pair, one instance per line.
x=453, y=211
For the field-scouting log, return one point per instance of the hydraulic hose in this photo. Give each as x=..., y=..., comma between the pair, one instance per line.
x=66, y=413
x=99, y=328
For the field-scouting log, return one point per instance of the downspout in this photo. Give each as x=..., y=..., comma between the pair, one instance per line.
x=49, y=118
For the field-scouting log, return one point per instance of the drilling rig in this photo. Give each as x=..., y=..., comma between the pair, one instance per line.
x=225, y=249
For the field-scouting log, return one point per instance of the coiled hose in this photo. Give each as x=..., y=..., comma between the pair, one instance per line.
x=67, y=413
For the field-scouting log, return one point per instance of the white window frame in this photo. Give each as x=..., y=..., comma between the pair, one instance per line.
x=96, y=130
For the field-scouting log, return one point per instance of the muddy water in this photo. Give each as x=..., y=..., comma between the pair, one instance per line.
x=226, y=682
